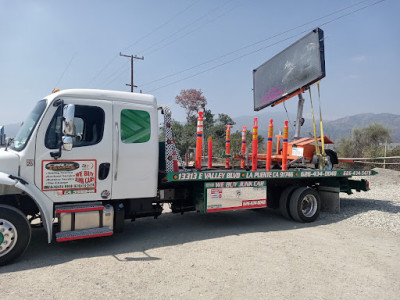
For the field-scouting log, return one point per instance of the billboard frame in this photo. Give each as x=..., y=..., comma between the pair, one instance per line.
x=300, y=89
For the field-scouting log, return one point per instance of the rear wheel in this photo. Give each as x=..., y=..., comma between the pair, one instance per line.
x=15, y=233
x=305, y=204
x=284, y=201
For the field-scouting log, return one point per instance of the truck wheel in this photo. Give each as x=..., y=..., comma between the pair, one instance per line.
x=15, y=233
x=284, y=201
x=305, y=204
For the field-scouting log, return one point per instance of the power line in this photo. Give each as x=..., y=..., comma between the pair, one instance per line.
x=117, y=75
x=262, y=48
x=184, y=27
x=121, y=66
x=195, y=29
x=102, y=70
x=140, y=39
x=65, y=70
x=162, y=25
x=230, y=61
x=251, y=45
x=350, y=13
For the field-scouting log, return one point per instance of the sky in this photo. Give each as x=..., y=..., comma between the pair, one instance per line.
x=209, y=45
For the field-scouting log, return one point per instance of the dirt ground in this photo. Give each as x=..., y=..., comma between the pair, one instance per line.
x=254, y=254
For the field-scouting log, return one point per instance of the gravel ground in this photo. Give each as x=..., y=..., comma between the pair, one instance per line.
x=232, y=255
x=379, y=208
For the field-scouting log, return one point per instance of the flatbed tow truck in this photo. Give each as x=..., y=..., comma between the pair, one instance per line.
x=84, y=161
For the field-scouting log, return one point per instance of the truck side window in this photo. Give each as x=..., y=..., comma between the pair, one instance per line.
x=135, y=126
x=89, y=127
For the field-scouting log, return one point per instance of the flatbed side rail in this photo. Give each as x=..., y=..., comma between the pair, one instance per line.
x=224, y=175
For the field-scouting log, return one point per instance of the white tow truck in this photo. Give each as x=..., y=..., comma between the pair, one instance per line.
x=84, y=161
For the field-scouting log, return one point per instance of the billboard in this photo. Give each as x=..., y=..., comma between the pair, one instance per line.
x=287, y=73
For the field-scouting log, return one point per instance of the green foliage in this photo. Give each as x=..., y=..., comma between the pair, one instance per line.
x=368, y=142
x=364, y=142
x=185, y=135
x=224, y=119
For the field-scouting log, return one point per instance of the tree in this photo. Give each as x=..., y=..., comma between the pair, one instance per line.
x=224, y=119
x=185, y=135
x=364, y=142
x=191, y=100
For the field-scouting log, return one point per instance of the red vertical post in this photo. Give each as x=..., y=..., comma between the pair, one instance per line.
x=175, y=162
x=244, y=133
x=285, y=146
x=199, y=141
x=255, y=145
x=227, y=145
x=269, y=145
x=210, y=152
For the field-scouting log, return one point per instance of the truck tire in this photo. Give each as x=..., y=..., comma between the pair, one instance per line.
x=15, y=233
x=284, y=200
x=305, y=204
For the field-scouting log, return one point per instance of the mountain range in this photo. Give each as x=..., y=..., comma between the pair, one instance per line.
x=334, y=129
x=11, y=129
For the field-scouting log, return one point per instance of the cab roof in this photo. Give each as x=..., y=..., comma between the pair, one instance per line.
x=109, y=95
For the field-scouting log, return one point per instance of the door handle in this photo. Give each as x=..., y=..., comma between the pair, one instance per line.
x=104, y=169
x=116, y=151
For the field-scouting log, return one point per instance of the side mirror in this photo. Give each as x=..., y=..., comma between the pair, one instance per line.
x=67, y=143
x=68, y=123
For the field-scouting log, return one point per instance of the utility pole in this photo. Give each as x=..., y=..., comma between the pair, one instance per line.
x=131, y=57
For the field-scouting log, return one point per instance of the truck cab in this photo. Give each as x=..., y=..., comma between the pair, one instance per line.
x=81, y=146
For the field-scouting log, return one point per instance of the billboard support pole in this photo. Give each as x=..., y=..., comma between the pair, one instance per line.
x=299, y=118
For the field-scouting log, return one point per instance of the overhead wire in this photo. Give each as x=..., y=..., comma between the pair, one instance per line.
x=252, y=44
x=116, y=74
x=162, y=25
x=262, y=48
x=140, y=39
x=65, y=70
x=184, y=27
x=228, y=62
x=195, y=29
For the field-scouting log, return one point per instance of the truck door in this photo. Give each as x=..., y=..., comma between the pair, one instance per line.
x=83, y=173
x=135, y=173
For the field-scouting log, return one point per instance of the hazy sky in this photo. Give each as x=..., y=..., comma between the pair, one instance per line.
x=76, y=44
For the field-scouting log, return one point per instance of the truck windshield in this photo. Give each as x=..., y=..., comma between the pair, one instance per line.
x=25, y=132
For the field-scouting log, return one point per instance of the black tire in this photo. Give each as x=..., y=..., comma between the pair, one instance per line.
x=15, y=234
x=284, y=200
x=332, y=156
x=333, y=160
x=305, y=205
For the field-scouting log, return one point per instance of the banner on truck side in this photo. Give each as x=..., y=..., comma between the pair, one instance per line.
x=222, y=196
x=69, y=175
